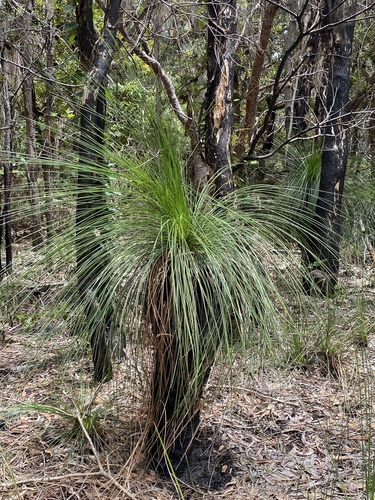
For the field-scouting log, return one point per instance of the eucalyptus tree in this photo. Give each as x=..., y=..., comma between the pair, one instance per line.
x=96, y=57
x=29, y=55
x=222, y=42
x=338, y=19
x=299, y=104
x=270, y=11
x=20, y=51
x=8, y=127
x=47, y=151
x=11, y=83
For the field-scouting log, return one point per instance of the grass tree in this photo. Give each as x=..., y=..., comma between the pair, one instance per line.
x=189, y=273
x=186, y=273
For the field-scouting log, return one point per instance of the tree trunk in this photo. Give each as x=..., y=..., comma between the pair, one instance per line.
x=268, y=18
x=92, y=211
x=289, y=90
x=182, y=362
x=29, y=107
x=337, y=38
x=31, y=168
x=222, y=23
x=306, y=79
x=5, y=219
x=48, y=107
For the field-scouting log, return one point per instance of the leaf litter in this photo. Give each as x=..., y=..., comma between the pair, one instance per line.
x=284, y=433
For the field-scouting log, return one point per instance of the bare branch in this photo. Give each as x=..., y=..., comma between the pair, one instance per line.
x=156, y=67
x=145, y=55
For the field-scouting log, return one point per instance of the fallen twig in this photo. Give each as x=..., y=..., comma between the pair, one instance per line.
x=19, y=482
x=263, y=395
x=102, y=471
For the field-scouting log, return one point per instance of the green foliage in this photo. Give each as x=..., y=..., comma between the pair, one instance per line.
x=302, y=161
x=126, y=103
x=324, y=337
x=206, y=271
x=359, y=220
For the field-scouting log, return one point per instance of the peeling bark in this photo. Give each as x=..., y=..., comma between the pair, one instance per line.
x=222, y=26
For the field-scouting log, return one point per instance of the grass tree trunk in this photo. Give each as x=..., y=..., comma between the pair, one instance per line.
x=184, y=351
x=184, y=346
x=222, y=24
x=337, y=39
x=92, y=211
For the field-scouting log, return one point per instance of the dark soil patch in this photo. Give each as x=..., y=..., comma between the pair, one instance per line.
x=209, y=465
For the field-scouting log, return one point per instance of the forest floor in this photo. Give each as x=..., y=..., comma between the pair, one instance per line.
x=283, y=432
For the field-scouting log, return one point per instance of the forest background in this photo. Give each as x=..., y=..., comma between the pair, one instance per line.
x=187, y=211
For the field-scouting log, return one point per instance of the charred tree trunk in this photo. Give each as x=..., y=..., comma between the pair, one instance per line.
x=5, y=219
x=306, y=77
x=305, y=84
x=182, y=362
x=337, y=38
x=48, y=107
x=222, y=23
x=92, y=211
x=289, y=90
